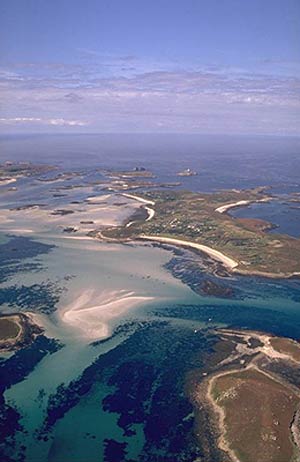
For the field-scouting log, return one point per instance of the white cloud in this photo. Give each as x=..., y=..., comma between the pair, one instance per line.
x=178, y=100
x=12, y=120
x=57, y=122
x=63, y=122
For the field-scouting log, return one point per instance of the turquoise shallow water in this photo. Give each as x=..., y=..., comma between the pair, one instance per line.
x=121, y=398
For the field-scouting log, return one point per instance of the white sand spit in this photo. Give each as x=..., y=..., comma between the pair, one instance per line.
x=226, y=207
x=151, y=213
x=91, y=312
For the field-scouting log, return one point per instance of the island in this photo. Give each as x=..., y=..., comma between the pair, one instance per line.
x=137, y=172
x=187, y=172
x=201, y=222
x=17, y=330
x=251, y=392
x=11, y=171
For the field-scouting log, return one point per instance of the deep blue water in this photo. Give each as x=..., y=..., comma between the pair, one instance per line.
x=285, y=216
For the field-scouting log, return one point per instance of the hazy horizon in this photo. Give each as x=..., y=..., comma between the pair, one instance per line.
x=200, y=67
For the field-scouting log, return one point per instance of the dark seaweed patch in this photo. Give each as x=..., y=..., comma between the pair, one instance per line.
x=147, y=374
x=114, y=451
x=15, y=251
x=37, y=297
x=18, y=366
x=201, y=274
x=130, y=377
x=14, y=370
x=10, y=270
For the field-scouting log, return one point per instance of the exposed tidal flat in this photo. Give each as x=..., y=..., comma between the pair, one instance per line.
x=130, y=331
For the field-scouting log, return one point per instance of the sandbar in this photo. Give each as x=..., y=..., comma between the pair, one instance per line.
x=91, y=312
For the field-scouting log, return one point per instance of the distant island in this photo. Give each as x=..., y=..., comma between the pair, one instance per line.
x=187, y=172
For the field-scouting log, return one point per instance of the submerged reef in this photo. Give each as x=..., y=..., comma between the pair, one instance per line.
x=13, y=370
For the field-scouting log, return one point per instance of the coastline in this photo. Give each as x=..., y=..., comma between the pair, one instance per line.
x=244, y=272
x=234, y=266
x=228, y=262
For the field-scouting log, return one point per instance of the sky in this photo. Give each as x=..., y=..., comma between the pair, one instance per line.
x=141, y=66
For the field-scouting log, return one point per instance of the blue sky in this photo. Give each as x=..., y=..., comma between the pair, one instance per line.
x=190, y=66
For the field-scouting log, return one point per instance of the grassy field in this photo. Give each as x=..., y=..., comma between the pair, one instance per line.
x=253, y=398
x=17, y=331
x=286, y=346
x=9, y=329
x=259, y=431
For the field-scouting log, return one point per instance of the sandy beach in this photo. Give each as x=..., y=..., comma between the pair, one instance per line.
x=139, y=199
x=151, y=213
x=226, y=207
x=215, y=254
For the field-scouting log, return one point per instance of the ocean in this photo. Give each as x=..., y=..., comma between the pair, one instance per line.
x=107, y=382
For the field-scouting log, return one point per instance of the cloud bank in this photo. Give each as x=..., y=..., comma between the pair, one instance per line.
x=122, y=95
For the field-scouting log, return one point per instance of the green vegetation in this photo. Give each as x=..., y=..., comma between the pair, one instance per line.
x=263, y=429
x=17, y=331
x=193, y=217
x=253, y=371
x=9, y=329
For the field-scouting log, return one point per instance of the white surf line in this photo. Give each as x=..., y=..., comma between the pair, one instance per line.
x=226, y=207
x=215, y=254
